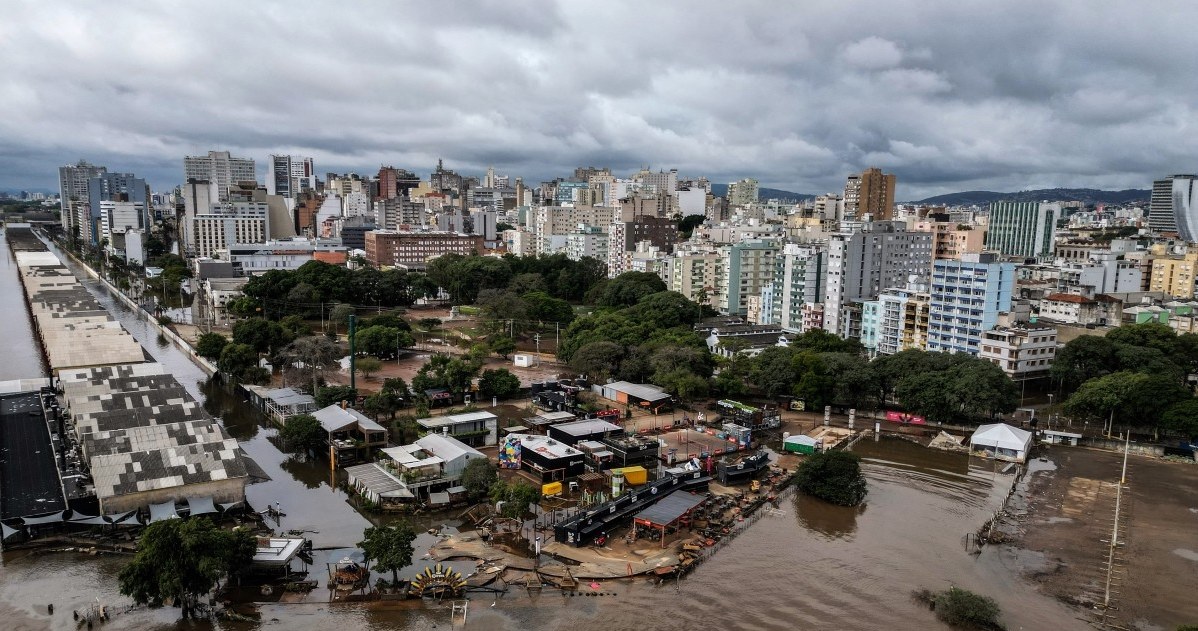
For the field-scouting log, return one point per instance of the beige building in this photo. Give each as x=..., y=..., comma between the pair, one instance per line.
x=696, y=272
x=904, y=320
x=1174, y=275
x=229, y=224
x=950, y=240
x=1021, y=353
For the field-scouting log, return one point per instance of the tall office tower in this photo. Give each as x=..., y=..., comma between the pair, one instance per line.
x=236, y=223
x=798, y=279
x=869, y=193
x=1173, y=208
x=861, y=264
x=966, y=298
x=114, y=187
x=72, y=195
x=1023, y=229
x=290, y=175
x=221, y=169
x=743, y=192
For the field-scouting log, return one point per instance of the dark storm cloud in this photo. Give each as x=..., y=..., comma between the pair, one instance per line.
x=949, y=95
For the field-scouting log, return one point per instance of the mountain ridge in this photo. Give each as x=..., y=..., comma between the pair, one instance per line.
x=1084, y=195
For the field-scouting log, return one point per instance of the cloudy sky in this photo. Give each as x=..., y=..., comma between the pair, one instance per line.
x=949, y=95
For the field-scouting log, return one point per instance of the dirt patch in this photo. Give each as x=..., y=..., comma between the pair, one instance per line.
x=1068, y=518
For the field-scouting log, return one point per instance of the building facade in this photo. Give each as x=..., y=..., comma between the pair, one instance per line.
x=1023, y=229
x=1173, y=208
x=73, y=197
x=749, y=268
x=230, y=224
x=966, y=298
x=799, y=271
x=861, y=264
x=869, y=194
x=1021, y=353
x=220, y=168
x=290, y=175
x=393, y=247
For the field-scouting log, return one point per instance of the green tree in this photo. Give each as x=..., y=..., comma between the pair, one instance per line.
x=180, y=560
x=389, y=547
x=445, y=371
x=683, y=384
x=334, y=395
x=210, y=345
x=598, y=360
x=381, y=341
x=1082, y=359
x=398, y=387
x=499, y=383
x=1182, y=418
x=339, y=316
x=628, y=288
x=501, y=345
x=833, y=476
x=368, y=366
x=773, y=371
x=263, y=335
x=302, y=432
x=478, y=477
x=541, y=306
x=236, y=360
x=517, y=497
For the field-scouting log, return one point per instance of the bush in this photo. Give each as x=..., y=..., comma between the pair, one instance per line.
x=962, y=608
x=833, y=476
x=210, y=345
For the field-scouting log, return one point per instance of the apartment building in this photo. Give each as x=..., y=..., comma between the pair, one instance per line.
x=862, y=263
x=749, y=268
x=798, y=280
x=967, y=297
x=230, y=224
x=220, y=168
x=1021, y=352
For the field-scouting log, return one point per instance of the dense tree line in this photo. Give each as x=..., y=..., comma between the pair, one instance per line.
x=303, y=291
x=1136, y=376
x=464, y=277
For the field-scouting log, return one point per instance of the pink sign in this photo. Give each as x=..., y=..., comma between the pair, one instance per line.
x=904, y=418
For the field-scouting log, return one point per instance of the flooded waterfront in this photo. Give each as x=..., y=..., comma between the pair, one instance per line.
x=806, y=566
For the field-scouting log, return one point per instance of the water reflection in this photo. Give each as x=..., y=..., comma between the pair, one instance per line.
x=829, y=520
x=240, y=418
x=309, y=471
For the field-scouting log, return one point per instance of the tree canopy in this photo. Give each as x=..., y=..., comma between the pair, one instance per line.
x=478, y=477
x=833, y=476
x=182, y=559
x=389, y=547
x=301, y=432
x=210, y=345
x=499, y=383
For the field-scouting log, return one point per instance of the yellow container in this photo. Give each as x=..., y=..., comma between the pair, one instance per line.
x=634, y=476
x=553, y=488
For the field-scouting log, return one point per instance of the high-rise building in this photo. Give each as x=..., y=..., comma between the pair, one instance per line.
x=951, y=239
x=743, y=192
x=1173, y=206
x=290, y=175
x=220, y=168
x=880, y=255
x=1023, y=229
x=1175, y=275
x=869, y=193
x=395, y=182
x=114, y=187
x=967, y=297
x=696, y=271
x=798, y=279
x=903, y=319
x=73, y=198
x=230, y=224
x=749, y=268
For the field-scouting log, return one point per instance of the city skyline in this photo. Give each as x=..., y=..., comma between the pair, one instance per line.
x=948, y=97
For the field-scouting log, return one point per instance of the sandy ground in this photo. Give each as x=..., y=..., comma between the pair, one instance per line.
x=1069, y=519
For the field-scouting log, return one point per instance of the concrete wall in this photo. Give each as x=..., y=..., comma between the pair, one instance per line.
x=221, y=491
x=1117, y=445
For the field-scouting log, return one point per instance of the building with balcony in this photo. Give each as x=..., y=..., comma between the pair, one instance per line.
x=903, y=319
x=350, y=434
x=966, y=298
x=390, y=248
x=1022, y=353
x=477, y=429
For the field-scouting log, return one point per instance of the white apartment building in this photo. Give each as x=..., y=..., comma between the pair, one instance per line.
x=220, y=168
x=749, y=267
x=1021, y=353
x=355, y=204
x=903, y=319
x=588, y=241
x=558, y=221
x=119, y=217
x=226, y=225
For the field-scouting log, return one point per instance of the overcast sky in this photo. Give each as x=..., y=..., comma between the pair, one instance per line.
x=949, y=95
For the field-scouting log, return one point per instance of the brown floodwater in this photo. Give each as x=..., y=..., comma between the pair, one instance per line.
x=806, y=565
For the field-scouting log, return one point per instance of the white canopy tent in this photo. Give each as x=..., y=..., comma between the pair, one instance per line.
x=1003, y=441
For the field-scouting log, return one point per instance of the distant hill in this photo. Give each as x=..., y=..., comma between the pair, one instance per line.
x=721, y=190
x=1086, y=195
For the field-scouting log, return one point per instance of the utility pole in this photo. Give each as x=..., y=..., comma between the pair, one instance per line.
x=537, y=338
x=353, y=323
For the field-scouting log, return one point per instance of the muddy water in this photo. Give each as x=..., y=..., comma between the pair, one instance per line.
x=807, y=566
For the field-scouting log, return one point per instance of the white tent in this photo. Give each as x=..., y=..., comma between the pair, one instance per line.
x=1002, y=440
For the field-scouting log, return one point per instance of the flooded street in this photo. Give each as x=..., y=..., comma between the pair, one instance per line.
x=807, y=565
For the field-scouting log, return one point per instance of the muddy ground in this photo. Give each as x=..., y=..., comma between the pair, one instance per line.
x=1067, y=522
